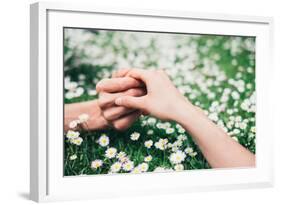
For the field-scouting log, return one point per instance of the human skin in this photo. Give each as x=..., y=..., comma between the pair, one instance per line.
x=103, y=113
x=220, y=150
x=91, y=108
x=119, y=86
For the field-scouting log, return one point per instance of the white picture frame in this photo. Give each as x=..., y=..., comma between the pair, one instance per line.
x=47, y=182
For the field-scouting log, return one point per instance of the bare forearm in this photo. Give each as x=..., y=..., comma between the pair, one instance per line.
x=219, y=149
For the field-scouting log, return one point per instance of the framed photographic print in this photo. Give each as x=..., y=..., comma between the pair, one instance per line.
x=129, y=102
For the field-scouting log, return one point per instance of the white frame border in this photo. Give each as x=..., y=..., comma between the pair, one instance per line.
x=38, y=84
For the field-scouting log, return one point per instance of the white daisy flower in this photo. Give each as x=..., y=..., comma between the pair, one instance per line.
x=143, y=123
x=169, y=145
x=175, y=148
x=148, y=144
x=69, y=95
x=177, y=157
x=211, y=95
x=229, y=111
x=115, y=167
x=179, y=167
x=92, y=92
x=160, y=125
x=78, y=92
x=177, y=143
x=181, y=137
x=180, y=129
x=249, y=86
x=135, y=136
x=128, y=166
x=70, y=85
x=121, y=155
x=193, y=154
x=224, y=98
x=81, y=77
x=111, y=152
x=83, y=118
x=72, y=134
x=143, y=167
x=166, y=125
x=170, y=130
x=188, y=150
x=73, y=124
x=229, y=124
x=124, y=159
x=236, y=131
x=161, y=144
x=136, y=170
x=96, y=164
x=148, y=158
x=235, y=138
x=73, y=157
x=151, y=121
x=214, y=117
x=77, y=141
x=103, y=140
x=238, y=119
x=235, y=95
x=253, y=129
x=251, y=135
x=150, y=132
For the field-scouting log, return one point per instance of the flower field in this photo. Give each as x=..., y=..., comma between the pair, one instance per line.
x=216, y=73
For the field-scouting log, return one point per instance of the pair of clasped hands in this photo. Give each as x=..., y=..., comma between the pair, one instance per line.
x=132, y=92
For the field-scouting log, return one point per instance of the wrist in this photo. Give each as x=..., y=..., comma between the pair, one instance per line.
x=184, y=112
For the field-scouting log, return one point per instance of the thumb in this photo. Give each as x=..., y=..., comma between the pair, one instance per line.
x=130, y=102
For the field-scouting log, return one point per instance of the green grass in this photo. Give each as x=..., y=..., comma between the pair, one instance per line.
x=188, y=55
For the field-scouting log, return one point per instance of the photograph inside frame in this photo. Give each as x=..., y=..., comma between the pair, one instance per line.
x=137, y=101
